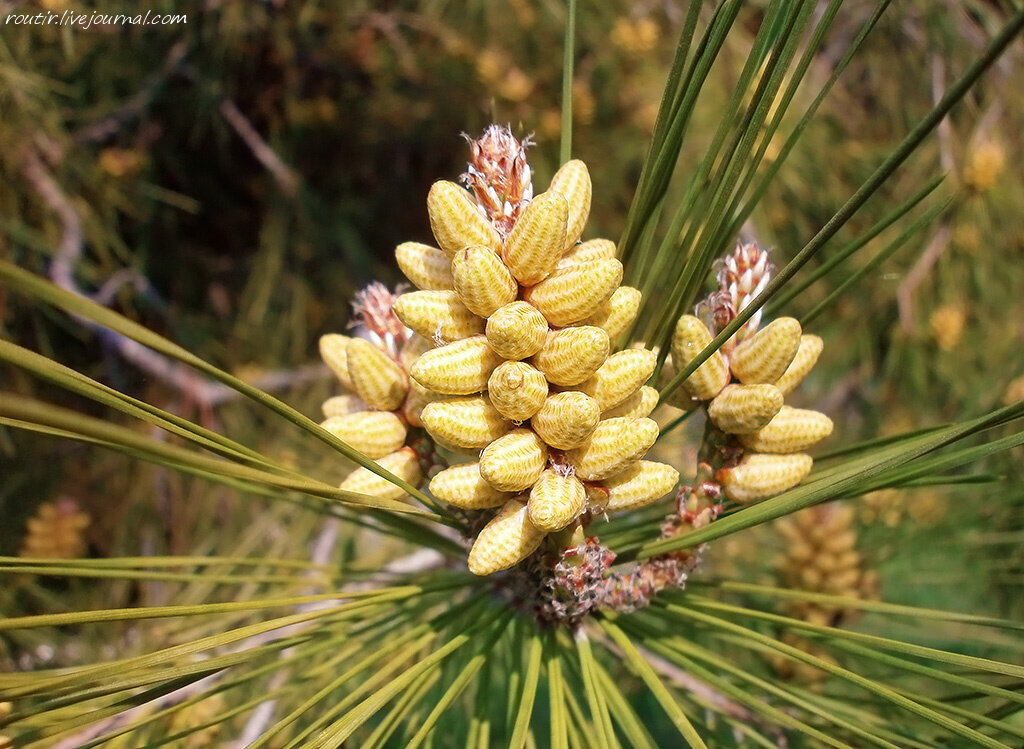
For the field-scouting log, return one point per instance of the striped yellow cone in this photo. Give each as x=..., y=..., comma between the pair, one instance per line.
x=571, y=294
x=637, y=406
x=767, y=355
x=761, y=475
x=806, y=357
x=376, y=377
x=517, y=330
x=402, y=463
x=615, y=445
x=593, y=249
x=427, y=267
x=505, y=541
x=373, y=433
x=791, y=431
x=572, y=355
x=513, y=463
x=469, y=423
x=620, y=376
x=566, y=420
x=517, y=390
x=462, y=486
x=456, y=221
x=555, y=501
x=460, y=368
x=333, y=350
x=413, y=349
x=680, y=397
x=417, y=397
x=482, y=281
x=617, y=313
x=573, y=181
x=437, y=315
x=339, y=405
x=535, y=243
x=691, y=336
x=742, y=409
x=638, y=486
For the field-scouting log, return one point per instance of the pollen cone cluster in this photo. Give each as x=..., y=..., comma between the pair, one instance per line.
x=56, y=531
x=523, y=318
x=820, y=556
x=382, y=402
x=744, y=383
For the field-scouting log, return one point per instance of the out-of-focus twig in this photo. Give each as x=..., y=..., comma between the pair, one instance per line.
x=206, y=394
x=286, y=179
x=134, y=105
x=917, y=274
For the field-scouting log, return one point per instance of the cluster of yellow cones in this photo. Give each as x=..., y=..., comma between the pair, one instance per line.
x=509, y=350
x=522, y=374
x=744, y=391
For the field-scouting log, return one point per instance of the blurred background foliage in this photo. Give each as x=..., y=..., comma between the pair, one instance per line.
x=253, y=167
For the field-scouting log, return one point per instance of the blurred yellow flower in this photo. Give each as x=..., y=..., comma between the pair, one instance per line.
x=635, y=37
x=56, y=531
x=947, y=325
x=121, y=162
x=984, y=166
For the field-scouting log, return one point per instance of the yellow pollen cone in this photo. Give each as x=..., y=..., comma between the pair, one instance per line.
x=761, y=475
x=615, y=315
x=376, y=377
x=517, y=390
x=505, y=541
x=426, y=267
x=333, y=348
x=767, y=355
x=468, y=423
x=373, y=433
x=593, y=249
x=482, y=281
x=572, y=355
x=403, y=463
x=535, y=243
x=456, y=221
x=573, y=181
x=637, y=406
x=741, y=409
x=517, y=330
x=513, y=463
x=614, y=446
x=462, y=486
x=620, y=376
x=691, y=336
x=571, y=294
x=638, y=486
x=339, y=405
x=792, y=430
x=555, y=501
x=437, y=315
x=567, y=419
x=460, y=368
x=806, y=357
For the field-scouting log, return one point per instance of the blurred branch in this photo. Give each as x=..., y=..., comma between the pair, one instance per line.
x=286, y=179
x=917, y=274
x=134, y=106
x=203, y=392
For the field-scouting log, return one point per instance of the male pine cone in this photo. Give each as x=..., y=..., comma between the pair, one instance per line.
x=520, y=309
